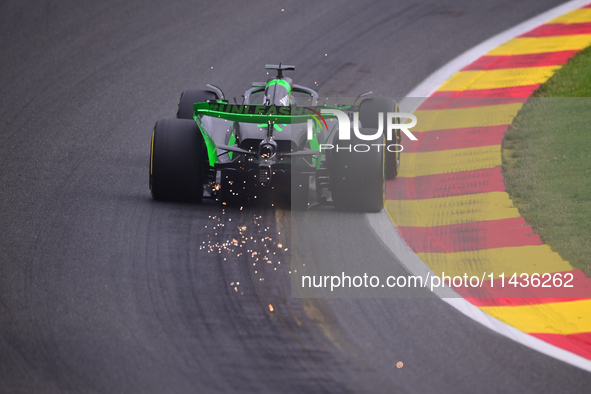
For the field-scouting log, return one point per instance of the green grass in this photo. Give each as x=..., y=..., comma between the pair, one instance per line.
x=547, y=161
x=572, y=80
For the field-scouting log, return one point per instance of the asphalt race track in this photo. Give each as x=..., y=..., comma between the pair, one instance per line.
x=104, y=290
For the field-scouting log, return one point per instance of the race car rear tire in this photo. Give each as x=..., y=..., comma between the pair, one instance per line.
x=177, y=161
x=357, y=178
x=188, y=98
x=368, y=116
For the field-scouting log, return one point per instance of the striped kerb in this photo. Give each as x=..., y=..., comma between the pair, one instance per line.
x=449, y=201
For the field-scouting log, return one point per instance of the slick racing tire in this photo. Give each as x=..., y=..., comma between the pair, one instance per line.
x=368, y=116
x=177, y=161
x=357, y=178
x=188, y=98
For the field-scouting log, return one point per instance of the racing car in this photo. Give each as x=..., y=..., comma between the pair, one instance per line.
x=270, y=148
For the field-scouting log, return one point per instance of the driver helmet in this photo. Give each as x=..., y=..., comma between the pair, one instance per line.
x=278, y=92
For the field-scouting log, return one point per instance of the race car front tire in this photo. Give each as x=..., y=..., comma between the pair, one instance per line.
x=185, y=108
x=177, y=161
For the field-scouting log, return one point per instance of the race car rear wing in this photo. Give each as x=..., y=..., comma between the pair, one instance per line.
x=258, y=113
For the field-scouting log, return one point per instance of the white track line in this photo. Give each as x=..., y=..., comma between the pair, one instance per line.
x=382, y=224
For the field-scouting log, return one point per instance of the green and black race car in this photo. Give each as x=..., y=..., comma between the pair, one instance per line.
x=280, y=145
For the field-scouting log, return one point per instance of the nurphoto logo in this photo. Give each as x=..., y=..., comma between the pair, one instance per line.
x=344, y=130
